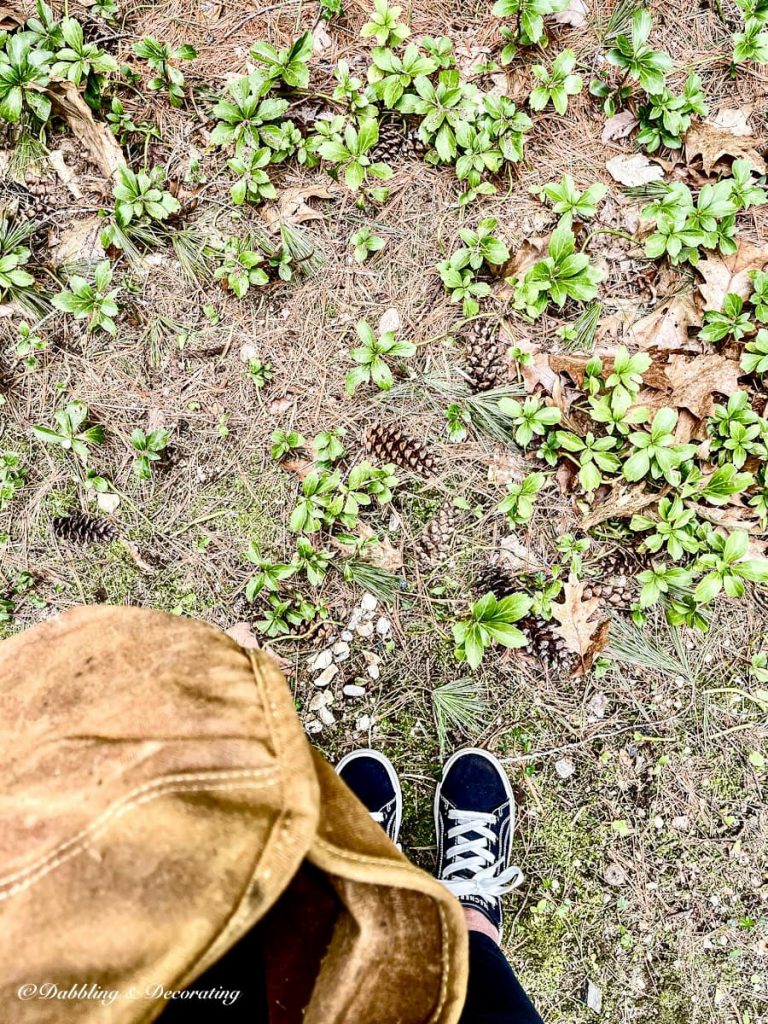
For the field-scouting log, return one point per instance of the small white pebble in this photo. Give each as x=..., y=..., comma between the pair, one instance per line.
x=365, y=629
x=383, y=626
x=317, y=702
x=347, y=636
x=353, y=690
x=363, y=723
x=341, y=650
x=373, y=671
x=320, y=661
x=313, y=727
x=368, y=603
x=325, y=677
x=326, y=716
x=565, y=768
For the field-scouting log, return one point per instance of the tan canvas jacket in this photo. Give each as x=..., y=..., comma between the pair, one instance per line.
x=158, y=798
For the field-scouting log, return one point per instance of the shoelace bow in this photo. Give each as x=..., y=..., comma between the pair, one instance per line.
x=489, y=879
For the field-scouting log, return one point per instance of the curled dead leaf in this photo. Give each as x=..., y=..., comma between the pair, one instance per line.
x=633, y=169
x=97, y=139
x=621, y=503
x=713, y=143
x=293, y=207
x=666, y=328
x=619, y=126
x=575, y=14
x=723, y=274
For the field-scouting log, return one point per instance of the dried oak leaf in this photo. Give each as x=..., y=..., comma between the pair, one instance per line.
x=11, y=18
x=96, y=137
x=666, y=328
x=723, y=274
x=633, y=169
x=621, y=503
x=293, y=208
x=690, y=382
x=580, y=623
x=713, y=143
x=619, y=126
x=732, y=119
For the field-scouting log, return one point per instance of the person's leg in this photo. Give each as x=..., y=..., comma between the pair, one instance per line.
x=475, y=822
x=475, y=818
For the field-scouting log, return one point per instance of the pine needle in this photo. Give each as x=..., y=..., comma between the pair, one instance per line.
x=584, y=328
x=383, y=584
x=620, y=21
x=484, y=411
x=640, y=647
x=651, y=190
x=196, y=257
x=457, y=705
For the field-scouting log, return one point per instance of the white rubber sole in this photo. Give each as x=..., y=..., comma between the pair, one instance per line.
x=391, y=773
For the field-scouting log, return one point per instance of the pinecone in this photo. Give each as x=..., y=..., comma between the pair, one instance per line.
x=545, y=644
x=396, y=141
x=36, y=201
x=495, y=579
x=484, y=355
x=391, y=444
x=616, y=583
x=80, y=528
x=435, y=540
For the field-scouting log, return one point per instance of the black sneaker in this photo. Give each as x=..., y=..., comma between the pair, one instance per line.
x=372, y=778
x=475, y=821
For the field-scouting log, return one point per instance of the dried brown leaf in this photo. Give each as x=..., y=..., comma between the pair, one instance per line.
x=621, y=503
x=575, y=14
x=293, y=207
x=633, y=169
x=723, y=274
x=79, y=241
x=11, y=18
x=95, y=136
x=619, y=126
x=713, y=143
x=666, y=328
x=579, y=619
x=694, y=383
x=732, y=119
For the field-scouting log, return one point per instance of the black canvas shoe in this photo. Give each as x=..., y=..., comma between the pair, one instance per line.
x=475, y=821
x=372, y=778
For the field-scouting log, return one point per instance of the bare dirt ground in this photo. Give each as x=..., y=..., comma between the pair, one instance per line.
x=642, y=825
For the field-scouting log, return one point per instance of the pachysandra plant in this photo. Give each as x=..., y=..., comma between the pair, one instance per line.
x=656, y=451
x=383, y=25
x=352, y=154
x=564, y=274
x=78, y=60
x=518, y=504
x=557, y=85
x=390, y=75
x=150, y=448
x=637, y=59
x=142, y=197
x=665, y=118
x=289, y=66
x=490, y=621
x=755, y=356
x=570, y=203
x=70, y=432
x=24, y=73
x=365, y=242
x=253, y=182
x=241, y=266
x=528, y=18
x=593, y=455
x=674, y=530
x=96, y=302
x=248, y=118
x=530, y=418
x=167, y=76
x=731, y=322
x=371, y=356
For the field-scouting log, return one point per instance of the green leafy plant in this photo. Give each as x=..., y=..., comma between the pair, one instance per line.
x=78, y=60
x=330, y=9
x=457, y=419
x=660, y=581
x=528, y=18
x=16, y=283
x=531, y=418
x=656, y=451
x=383, y=25
x=736, y=431
x=365, y=242
x=490, y=620
x=759, y=296
x=351, y=154
x=29, y=345
x=564, y=274
x=674, y=530
x=288, y=66
x=371, y=356
x=637, y=59
x=253, y=182
x=591, y=454
x=665, y=118
x=755, y=357
x=752, y=43
x=283, y=443
x=150, y=448
x=12, y=477
x=731, y=322
x=328, y=446
x=268, y=576
x=241, y=266
x=572, y=204
x=247, y=118
x=314, y=563
x=282, y=616
x=390, y=75
x=726, y=567
x=140, y=197
x=70, y=432
x=24, y=73
x=556, y=85
x=94, y=302
x=518, y=505
x=260, y=373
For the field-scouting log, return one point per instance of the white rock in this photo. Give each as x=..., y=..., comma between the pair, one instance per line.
x=317, y=702
x=326, y=716
x=593, y=997
x=365, y=629
x=369, y=603
x=325, y=677
x=363, y=723
x=341, y=650
x=313, y=726
x=355, y=617
x=383, y=626
x=320, y=661
x=565, y=768
x=373, y=671
x=353, y=690
x=347, y=636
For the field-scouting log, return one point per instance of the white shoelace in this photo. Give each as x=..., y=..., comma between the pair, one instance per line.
x=490, y=879
x=378, y=817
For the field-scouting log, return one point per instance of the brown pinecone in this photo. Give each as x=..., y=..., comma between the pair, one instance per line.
x=495, y=579
x=35, y=201
x=485, y=352
x=391, y=444
x=80, y=528
x=396, y=141
x=435, y=540
x=615, y=584
x=545, y=644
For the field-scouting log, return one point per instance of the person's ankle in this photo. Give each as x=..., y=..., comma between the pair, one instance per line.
x=477, y=922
